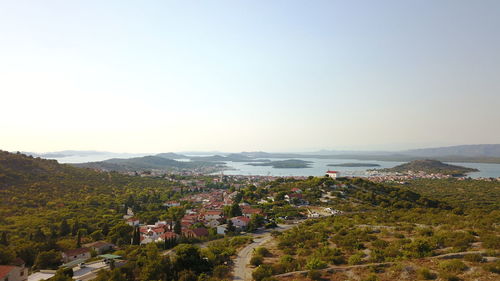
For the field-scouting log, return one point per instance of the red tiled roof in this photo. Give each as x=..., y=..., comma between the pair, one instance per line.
x=76, y=252
x=198, y=232
x=168, y=235
x=242, y=218
x=213, y=212
x=5, y=270
x=331, y=172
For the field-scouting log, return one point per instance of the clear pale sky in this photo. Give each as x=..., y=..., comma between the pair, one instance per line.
x=156, y=76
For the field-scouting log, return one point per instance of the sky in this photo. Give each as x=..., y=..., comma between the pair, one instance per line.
x=157, y=76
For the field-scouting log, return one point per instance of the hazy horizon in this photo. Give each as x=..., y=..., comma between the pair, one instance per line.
x=278, y=76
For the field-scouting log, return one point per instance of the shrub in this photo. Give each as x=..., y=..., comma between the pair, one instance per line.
x=449, y=277
x=491, y=241
x=221, y=271
x=371, y=277
x=426, y=274
x=315, y=263
x=473, y=258
x=262, y=251
x=261, y=272
x=453, y=266
x=356, y=259
x=314, y=274
x=256, y=260
x=493, y=267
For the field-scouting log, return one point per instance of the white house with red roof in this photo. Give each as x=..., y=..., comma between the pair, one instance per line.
x=240, y=221
x=248, y=211
x=16, y=271
x=332, y=174
x=213, y=215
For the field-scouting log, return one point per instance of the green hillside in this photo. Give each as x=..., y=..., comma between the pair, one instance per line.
x=430, y=166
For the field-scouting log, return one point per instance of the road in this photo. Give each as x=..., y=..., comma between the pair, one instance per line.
x=241, y=269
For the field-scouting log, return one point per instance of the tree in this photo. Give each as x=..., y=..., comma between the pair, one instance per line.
x=235, y=210
x=39, y=235
x=3, y=239
x=75, y=228
x=6, y=255
x=81, y=232
x=178, y=227
x=188, y=257
x=96, y=235
x=136, y=236
x=64, y=228
x=230, y=227
x=48, y=260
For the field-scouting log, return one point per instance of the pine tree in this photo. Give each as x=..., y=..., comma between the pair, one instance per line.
x=64, y=228
x=3, y=239
x=39, y=235
x=178, y=227
x=136, y=236
x=76, y=227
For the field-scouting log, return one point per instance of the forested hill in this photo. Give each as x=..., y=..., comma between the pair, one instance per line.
x=38, y=196
x=16, y=168
x=146, y=163
x=431, y=166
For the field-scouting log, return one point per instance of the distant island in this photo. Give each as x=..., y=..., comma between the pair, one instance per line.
x=354, y=165
x=150, y=163
x=284, y=164
x=431, y=167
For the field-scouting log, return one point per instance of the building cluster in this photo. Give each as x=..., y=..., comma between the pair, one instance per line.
x=196, y=221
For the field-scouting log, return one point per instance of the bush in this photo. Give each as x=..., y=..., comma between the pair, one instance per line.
x=314, y=274
x=426, y=274
x=261, y=272
x=256, y=260
x=221, y=271
x=262, y=251
x=355, y=259
x=449, y=277
x=473, y=258
x=491, y=241
x=452, y=266
x=493, y=267
x=315, y=263
x=371, y=277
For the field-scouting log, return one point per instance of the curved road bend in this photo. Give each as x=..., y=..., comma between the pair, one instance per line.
x=241, y=270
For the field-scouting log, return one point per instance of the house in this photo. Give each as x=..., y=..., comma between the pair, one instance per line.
x=296, y=190
x=240, y=221
x=172, y=204
x=332, y=174
x=169, y=235
x=249, y=211
x=71, y=255
x=212, y=223
x=195, y=233
x=100, y=247
x=15, y=272
x=213, y=215
x=222, y=229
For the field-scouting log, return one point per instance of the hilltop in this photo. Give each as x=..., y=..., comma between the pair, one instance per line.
x=431, y=167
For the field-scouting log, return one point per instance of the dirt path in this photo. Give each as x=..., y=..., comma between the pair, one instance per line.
x=241, y=269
